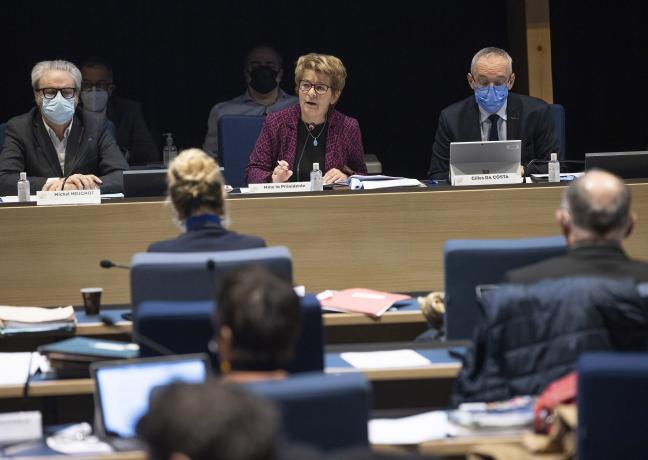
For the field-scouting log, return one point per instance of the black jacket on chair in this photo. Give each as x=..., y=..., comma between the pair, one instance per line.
x=91, y=149
x=528, y=119
x=533, y=334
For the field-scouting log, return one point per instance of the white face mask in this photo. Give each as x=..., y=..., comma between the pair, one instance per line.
x=94, y=100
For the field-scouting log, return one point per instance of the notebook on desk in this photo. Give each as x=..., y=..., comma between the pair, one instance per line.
x=123, y=388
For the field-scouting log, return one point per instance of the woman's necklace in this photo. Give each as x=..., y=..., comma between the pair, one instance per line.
x=310, y=127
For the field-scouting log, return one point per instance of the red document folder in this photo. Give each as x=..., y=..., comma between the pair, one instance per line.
x=359, y=300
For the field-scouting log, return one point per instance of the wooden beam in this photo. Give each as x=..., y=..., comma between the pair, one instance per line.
x=539, y=49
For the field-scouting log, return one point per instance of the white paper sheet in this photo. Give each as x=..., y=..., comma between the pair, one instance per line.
x=15, y=367
x=410, y=430
x=385, y=359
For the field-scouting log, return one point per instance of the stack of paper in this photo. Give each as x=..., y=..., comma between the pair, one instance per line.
x=14, y=320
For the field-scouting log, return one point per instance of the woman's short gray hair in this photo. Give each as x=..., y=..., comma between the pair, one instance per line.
x=491, y=50
x=45, y=66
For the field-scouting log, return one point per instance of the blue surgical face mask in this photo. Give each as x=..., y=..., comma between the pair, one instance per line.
x=58, y=110
x=491, y=98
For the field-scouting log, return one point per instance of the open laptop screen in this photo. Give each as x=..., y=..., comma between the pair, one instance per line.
x=123, y=388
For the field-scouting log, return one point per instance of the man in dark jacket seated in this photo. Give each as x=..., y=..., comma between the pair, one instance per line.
x=59, y=147
x=133, y=136
x=595, y=218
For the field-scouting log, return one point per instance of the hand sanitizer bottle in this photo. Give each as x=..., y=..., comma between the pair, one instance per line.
x=169, y=152
x=23, y=187
x=554, y=168
x=316, y=182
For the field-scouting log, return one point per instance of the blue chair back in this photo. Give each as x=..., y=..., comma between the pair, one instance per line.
x=185, y=276
x=237, y=135
x=469, y=263
x=612, y=400
x=326, y=411
x=558, y=115
x=186, y=327
x=3, y=127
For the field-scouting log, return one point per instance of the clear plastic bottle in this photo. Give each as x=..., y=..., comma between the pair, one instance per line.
x=169, y=151
x=554, y=168
x=316, y=181
x=23, y=187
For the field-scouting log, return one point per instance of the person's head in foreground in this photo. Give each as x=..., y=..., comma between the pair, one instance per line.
x=196, y=185
x=596, y=207
x=257, y=323
x=209, y=421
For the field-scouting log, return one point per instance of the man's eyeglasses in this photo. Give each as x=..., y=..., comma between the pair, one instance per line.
x=320, y=88
x=50, y=93
x=485, y=83
x=88, y=85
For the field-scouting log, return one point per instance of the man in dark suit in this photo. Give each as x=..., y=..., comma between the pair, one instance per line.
x=595, y=218
x=492, y=114
x=57, y=146
x=131, y=132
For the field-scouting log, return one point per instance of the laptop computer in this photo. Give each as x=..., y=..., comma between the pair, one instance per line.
x=145, y=182
x=488, y=157
x=627, y=165
x=123, y=388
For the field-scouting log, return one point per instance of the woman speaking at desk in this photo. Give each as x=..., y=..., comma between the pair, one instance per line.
x=197, y=195
x=292, y=139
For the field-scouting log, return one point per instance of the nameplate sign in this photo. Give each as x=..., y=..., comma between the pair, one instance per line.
x=280, y=187
x=68, y=197
x=486, y=179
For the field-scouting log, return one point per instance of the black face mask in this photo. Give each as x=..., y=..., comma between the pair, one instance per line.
x=263, y=79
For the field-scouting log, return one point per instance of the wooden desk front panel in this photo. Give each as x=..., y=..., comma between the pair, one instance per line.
x=388, y=241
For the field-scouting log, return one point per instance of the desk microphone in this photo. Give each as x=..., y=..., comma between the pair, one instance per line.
x=105, y=263
x=137, y=337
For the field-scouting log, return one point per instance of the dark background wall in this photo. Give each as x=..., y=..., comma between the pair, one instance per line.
x=600, y=74
x=406, y=61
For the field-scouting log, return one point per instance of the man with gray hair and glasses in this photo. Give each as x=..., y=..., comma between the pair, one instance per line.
x=595, y=218
x=492, y=113
x=59, y=147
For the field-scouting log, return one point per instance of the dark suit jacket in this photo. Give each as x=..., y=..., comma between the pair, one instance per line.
x=132, y=134
x=208, y=236
x=602, y=259
x=91, y=149
x=528, y=119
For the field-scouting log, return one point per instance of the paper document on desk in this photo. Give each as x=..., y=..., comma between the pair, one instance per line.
x=17, y=366
x=385, y=359
x=357, y=182
x=416, y=429
x=359, y=300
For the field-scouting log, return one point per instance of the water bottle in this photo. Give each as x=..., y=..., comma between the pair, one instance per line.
x=554, y=168
x=23, y=187
x=169, y=151
x=316, y=182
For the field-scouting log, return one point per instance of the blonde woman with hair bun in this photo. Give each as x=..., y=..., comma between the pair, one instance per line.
x=198, y=197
